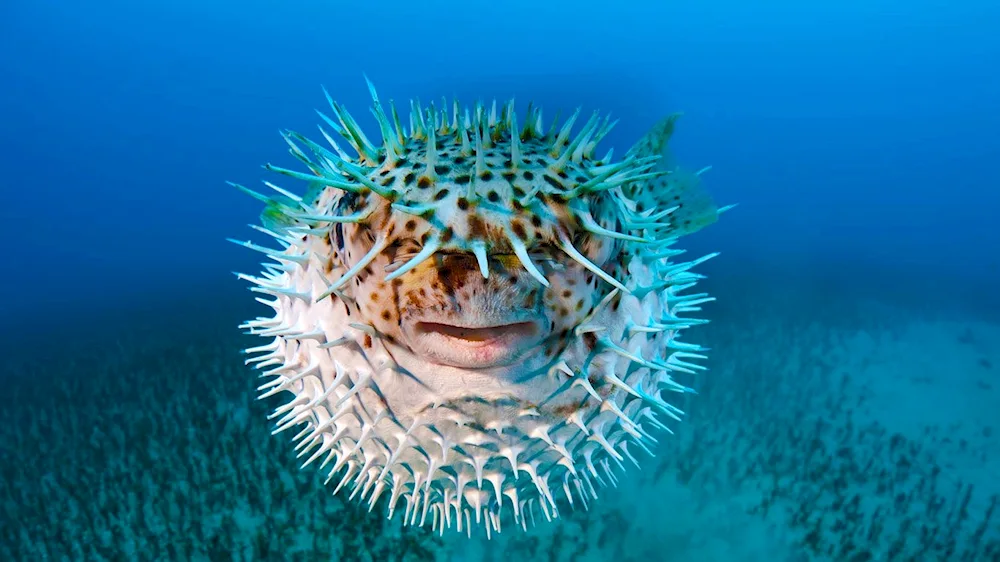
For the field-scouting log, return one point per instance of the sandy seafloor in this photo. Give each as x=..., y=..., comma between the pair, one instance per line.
x=832, y=425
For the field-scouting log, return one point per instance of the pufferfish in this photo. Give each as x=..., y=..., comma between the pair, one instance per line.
x=477, y=320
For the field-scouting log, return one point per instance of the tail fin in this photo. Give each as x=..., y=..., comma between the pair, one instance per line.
x=680, y=188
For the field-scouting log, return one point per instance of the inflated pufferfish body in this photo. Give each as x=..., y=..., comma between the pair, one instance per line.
x=477, y=320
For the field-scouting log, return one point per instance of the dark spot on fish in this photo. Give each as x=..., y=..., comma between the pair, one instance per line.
x=477, y=228
x=566, y=409
x=552, y=181
x=518, y=228
x=338, y=232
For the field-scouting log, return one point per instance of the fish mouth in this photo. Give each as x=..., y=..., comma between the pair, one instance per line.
x=475, y=345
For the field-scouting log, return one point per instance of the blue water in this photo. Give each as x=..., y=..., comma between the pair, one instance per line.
x=859, y=138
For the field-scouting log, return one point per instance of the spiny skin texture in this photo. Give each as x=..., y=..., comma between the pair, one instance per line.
x=475, y=320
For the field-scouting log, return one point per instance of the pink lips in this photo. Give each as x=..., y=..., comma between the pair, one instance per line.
x=475, y=346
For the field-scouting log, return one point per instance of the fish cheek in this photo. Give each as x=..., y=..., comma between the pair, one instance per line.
x=378, y=303
x=418, y=291
x=568, y=299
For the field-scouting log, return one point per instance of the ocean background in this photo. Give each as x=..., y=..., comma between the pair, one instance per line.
x=852, y=409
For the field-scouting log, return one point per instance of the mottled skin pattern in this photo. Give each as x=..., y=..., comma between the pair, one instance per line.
x=451, y=282
x=474, y=319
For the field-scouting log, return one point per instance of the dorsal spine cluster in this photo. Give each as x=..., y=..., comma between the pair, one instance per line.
x=479, y=129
